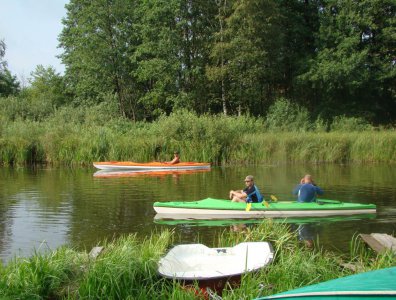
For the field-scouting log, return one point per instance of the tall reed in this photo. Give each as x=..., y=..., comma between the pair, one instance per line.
x=76, y=137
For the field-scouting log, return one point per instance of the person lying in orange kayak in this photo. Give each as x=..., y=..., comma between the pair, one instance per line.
x=175, y=160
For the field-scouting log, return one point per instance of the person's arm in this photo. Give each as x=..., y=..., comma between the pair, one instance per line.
x=296, y=189
x=247, y=191
x=238, y=193
x=319, y=191
x=176, y=160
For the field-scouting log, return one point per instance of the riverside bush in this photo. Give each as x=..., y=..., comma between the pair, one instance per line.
x=348, y=124
x=80, y=136
x=13, y=108
x=284, y=115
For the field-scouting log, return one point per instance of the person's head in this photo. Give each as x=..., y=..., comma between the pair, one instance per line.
x=308, y=179
x=249, y=180
x=176, y=153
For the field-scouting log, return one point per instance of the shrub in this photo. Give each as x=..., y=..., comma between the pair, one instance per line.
x=348, y=124
x=284, y=115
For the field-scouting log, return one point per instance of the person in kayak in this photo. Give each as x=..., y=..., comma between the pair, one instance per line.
x=307, y=190
x=175, y=160
x=249, y=194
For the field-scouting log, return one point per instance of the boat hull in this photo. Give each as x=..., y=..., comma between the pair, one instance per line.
x=378, y=284
x=222, y=209
x=154, y=166
x=197, y=264
x=137, y=173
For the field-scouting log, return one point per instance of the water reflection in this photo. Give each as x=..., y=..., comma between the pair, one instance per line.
x=307, y=228
x=238, y=227
x=306, y=234
x=229, y=222
x=48, y=207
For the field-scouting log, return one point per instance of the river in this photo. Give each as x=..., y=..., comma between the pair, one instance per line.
x=42, y=207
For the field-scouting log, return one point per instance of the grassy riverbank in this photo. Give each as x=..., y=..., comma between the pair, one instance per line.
x=127, y=269
x=73, y=138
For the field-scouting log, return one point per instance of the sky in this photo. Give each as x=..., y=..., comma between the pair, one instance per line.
x=30, y=30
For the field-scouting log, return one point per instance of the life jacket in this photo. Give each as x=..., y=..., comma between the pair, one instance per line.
x=260, y=197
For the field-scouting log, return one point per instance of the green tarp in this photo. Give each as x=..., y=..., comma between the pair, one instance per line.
x=379, y=284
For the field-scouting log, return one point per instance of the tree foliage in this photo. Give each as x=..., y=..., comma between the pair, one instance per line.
x=9, y=84
x=354, y=69
x=48, y=85
x=333, y=57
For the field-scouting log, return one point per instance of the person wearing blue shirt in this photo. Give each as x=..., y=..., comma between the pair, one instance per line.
x=307, y=190
x=249, y=194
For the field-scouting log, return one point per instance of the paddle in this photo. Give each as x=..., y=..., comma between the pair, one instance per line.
x=273, y=198
x=325, y=201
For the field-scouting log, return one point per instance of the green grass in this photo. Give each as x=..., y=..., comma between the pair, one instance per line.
x=78, y=139
x=127, y=268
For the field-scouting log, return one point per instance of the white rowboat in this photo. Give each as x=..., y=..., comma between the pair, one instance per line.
x=198, y=262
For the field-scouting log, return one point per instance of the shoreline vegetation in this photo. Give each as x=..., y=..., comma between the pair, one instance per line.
x=127, y=268
x=235, y=82
x=80, y=136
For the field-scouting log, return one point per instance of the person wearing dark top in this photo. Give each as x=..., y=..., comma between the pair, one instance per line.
x=249, y=194
x=307, y=190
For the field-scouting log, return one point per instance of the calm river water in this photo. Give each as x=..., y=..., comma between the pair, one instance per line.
x=42, y=208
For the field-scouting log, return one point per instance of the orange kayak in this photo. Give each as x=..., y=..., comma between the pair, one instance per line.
x=154, y=166
x=136, y=173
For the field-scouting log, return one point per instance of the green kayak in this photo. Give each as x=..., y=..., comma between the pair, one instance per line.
x=222, y=209
x=379, y=284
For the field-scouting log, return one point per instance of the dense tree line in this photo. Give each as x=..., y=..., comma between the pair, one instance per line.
x=233, y=56
x=330, y=57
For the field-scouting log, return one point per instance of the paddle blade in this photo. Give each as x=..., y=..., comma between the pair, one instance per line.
x=265, y=203
x=248, y=206
x=273, y=198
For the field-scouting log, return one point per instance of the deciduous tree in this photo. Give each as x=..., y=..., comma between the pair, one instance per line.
x=354, y=71
x=9, y=84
